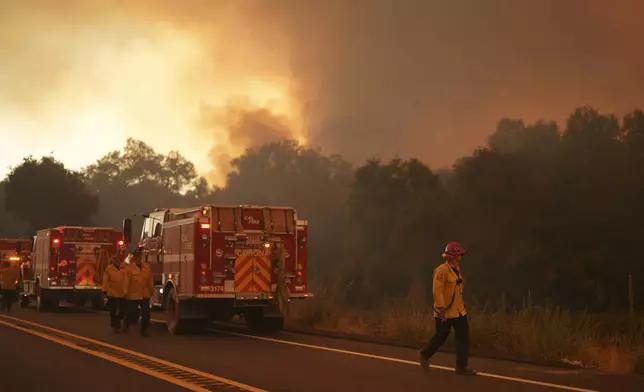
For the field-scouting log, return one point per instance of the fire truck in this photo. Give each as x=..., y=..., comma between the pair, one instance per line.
x=68, y=263
x=216, y=261
x=16, y=251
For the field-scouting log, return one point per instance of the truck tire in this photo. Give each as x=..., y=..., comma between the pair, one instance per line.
x=256, y=322
x=43, y=304
x=176, y=326
x=24, y=301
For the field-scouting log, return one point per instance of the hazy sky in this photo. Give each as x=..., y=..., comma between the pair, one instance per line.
x=426, y=78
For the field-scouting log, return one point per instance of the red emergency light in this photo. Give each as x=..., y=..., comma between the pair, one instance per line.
x=205, y=226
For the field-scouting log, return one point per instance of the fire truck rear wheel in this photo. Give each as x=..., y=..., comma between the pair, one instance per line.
x=24, y=301
x=255, y=321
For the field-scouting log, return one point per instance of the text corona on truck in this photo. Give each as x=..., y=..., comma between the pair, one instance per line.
x=264, y=252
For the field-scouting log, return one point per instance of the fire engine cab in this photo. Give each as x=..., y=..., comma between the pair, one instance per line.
x=216, y=261
x=68, y=264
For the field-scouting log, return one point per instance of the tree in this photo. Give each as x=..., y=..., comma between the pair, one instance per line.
x=45, y=194
x=138, y=179
x=10, y=225
x=138, y=163
x=285, y=173
x=397, y=213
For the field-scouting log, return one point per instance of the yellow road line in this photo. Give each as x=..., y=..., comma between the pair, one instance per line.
x=124, y=350
x=397, y=360
x=109, y=358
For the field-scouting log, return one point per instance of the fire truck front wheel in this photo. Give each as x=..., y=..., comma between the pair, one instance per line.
x=176, y=326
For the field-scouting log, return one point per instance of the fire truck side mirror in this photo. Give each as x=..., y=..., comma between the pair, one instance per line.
x=127, y=230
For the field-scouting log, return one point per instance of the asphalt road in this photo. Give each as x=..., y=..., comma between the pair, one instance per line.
x=31, y=364
x=287, y=362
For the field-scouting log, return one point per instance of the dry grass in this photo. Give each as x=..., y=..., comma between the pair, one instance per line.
x=610, y=344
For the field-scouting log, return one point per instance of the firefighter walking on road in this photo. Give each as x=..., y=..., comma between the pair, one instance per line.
x=138, y=290
x=10, y=274
x=449, y=310
x=114, y=289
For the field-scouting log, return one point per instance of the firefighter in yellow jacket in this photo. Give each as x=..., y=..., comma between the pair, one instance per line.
x=114, y=289
x=138, y=290
x=449, y=310
x=10, y=274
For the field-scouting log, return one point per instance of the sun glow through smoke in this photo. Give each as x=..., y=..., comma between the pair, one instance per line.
x=146, y=82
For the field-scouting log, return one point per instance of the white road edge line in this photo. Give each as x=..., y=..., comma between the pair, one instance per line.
x=398, y=360
x=390, y=359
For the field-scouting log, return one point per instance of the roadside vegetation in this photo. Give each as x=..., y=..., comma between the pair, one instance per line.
x=611, y=343
x=551, y=216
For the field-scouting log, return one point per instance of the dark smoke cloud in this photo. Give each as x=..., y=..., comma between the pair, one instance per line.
x=245, y=126
x=428, y=78
x=431, y=78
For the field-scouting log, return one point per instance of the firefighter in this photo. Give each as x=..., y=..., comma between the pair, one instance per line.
x=114, y=290
x=10, y=275
x=449, y=310
x=138, y=285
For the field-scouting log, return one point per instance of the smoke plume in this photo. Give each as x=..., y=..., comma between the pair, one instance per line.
x=426, y=78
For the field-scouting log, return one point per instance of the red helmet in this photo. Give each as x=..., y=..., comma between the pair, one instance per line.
x=454, y=249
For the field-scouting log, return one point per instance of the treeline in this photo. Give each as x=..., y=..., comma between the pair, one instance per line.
x=549, y=214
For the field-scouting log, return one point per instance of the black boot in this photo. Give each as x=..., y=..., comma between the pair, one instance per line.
x=466, y=371
x=424, y=362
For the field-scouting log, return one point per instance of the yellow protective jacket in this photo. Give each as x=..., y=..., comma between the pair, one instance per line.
x=10, y=275
x=148, y=281
x=447, y=293
x=114, y=281
x=138, y=282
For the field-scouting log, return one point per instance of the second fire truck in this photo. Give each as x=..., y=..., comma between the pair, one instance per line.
x=17, y=251
x=215, y=261
x=67, y=264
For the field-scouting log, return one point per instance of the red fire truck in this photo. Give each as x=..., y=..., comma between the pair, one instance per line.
x=68, y=263
x=215, y=261
x=16, y=251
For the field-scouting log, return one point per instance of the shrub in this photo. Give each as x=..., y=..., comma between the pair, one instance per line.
x=548, y=333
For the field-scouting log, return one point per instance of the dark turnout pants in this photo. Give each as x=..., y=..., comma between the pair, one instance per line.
x=133, y=312
x=443, y=328
x=116, y=307
x=8, y=296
